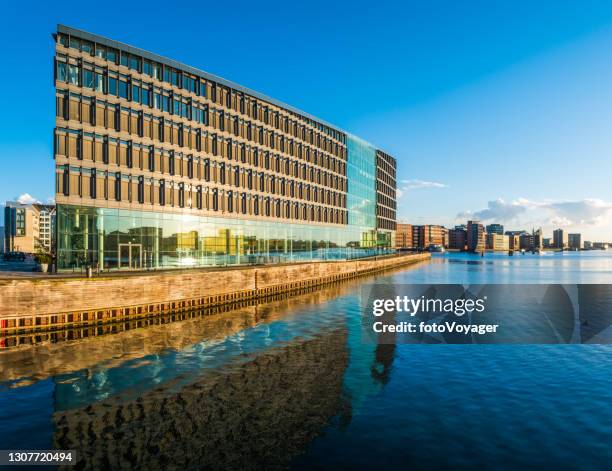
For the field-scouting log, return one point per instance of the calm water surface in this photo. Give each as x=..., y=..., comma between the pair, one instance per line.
x=291, y=384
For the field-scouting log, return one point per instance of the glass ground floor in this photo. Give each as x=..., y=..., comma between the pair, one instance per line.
x=113, y=239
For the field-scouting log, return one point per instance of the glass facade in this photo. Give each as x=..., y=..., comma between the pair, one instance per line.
x=361, y=176
x=122, y=239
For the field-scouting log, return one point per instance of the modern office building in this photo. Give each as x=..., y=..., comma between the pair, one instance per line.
x=495, y=229
x=560, y=238
x=159, y=164
x=29, y=227
x=574, y=241
x=1, y=239
x=475, y=236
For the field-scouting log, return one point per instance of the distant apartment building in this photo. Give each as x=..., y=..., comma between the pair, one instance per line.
x=1, y=239
x=560, y=239
x=498, y=242
x=475, y=236
x=538, y=239
x=29, y=227
x=600, y=245
x=457, y=238
x=526, y=241
x=574, y=241
x=495, y=229
x=427, y=235
x=533, y=241
x=588, y=244
x=403, y=236
x=547, y=242
x=514, y=241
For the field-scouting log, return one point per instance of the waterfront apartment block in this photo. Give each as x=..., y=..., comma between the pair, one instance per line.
x=475, y=236
x=403, y=236
x=574, y=241
x=514, y=241
x=560, y=239
x=159, y=164
x=425, y=236
x=498, y=242
x=29, y=228
x=457, y=238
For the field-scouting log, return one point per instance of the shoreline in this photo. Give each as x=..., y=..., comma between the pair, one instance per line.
x=49, y=303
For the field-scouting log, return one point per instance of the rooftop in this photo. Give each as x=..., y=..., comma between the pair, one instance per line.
x=191, y=70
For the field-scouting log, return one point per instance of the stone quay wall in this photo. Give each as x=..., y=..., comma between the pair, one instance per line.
x=47, y=302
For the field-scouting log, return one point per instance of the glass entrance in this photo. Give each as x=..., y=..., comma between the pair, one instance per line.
x=136, y=256
x=130, y=256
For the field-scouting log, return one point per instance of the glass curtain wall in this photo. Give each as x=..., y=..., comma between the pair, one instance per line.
x=361, y=195
x=114, y=239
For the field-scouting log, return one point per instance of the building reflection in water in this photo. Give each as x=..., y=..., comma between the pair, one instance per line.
x=247, y=388
x=259, y=414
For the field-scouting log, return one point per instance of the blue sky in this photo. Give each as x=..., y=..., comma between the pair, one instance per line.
x=497, y=110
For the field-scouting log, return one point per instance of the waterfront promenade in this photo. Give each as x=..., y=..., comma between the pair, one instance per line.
x=48, y=302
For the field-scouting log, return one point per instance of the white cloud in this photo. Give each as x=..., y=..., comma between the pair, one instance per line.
x=410, y=185
x=498, y=210
x=587, y=212
x=579, y=213
x=27, y=198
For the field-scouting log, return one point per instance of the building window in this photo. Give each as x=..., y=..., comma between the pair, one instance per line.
x=128, y=157
x=171, y=163
x=181, y=195
x=118, y=186
x=199, y=197
x=162, y=192
x=92, y=184
x=190, y=166
x=61, y=71
x=230, y=201
x=215, y=200
x=141, y=191
x=66, y=181
x=112, y=86
x=151, y=159
x=123, y=88
x=207, y=170
x=73, y=75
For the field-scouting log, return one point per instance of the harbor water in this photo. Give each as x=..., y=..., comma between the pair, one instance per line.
x=291, y=384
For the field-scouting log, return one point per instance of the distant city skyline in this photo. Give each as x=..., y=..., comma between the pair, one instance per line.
x=486, y=123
